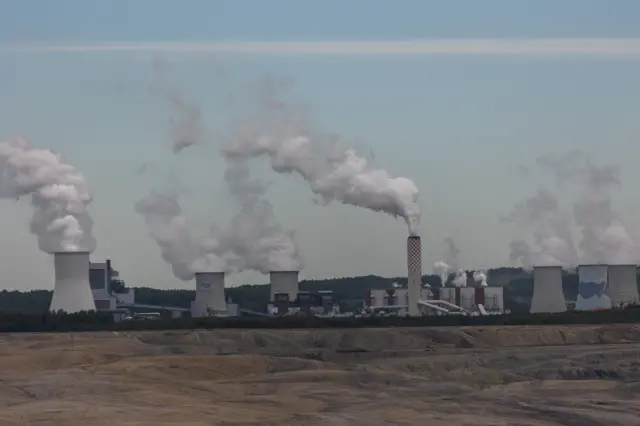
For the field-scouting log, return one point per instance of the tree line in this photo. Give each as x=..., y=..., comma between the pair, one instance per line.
x=349, y=292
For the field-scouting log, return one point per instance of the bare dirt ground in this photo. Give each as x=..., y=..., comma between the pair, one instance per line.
x=512, y=376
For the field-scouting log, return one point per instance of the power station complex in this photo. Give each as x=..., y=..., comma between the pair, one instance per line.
x=81, y=285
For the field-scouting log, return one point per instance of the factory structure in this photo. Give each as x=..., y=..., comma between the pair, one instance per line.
x=418, y=299
x=599, y=287
x=82, y=285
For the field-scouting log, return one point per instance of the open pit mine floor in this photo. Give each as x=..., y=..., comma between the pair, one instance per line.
x=512, y=376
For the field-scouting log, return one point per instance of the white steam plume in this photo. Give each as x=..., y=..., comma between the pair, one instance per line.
x=605, y=238
x=460, y=279
x=552, y=240
x=168, y=227
x=480, y=277
x=253, y=235
x=185, y=123
x=451, y=253
x=59, y=195
x=441, y=269
x=252, y=240
x=283, y=133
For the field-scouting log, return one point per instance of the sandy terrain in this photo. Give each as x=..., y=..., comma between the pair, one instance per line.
x=512, y=376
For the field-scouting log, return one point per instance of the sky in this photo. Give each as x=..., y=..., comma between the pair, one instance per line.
x=78, y=78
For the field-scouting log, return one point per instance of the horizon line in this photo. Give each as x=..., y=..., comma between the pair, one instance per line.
x=582, y=46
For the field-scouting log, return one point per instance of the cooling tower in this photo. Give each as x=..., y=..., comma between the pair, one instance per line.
x=210, y=297
x=547, y=290
x=71, y=291
x=592, y=288
x=284, y=282
x=414, y=274
x=623, y=285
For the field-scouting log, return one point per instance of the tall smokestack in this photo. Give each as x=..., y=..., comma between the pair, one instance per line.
x=284, y=282
x=71, y=291
x=414, y=275
x=210, y=294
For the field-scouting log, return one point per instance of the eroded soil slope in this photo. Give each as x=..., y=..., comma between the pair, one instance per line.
x=572, y=375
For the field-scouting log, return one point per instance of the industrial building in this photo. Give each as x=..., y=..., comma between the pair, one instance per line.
x=592, y=283
x=210, y=297
x=439, y=300
x=622, y=285
x=548, y=296
x=108, y=291
x=283, y=282
x=71, y=289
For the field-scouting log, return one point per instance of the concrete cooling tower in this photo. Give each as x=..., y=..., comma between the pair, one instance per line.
x=284, y=282
x=210, y=296
x=414, y=274
x=592, y=288
x=71, y=291
x=547, y=290
x=623, y=285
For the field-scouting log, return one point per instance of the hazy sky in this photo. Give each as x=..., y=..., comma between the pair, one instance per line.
x=457, y=124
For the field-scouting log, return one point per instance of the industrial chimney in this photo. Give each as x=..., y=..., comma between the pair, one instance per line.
x=72, y=291
x=548, y=296
x=283, y=282
x=210, y=295
x=414, y=274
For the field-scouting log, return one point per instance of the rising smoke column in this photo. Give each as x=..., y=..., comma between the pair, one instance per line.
x=451, y=253
x=604, y=237
x=168, y=227
x=283, y=132
x=252, y=240
x=552, y=240
x=253, y=235
x=59, y=196
x=480, y=277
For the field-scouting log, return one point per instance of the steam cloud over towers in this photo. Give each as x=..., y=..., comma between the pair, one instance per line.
x=252, y=240
x=603, y=236
x=59, y=196
x=282, y=132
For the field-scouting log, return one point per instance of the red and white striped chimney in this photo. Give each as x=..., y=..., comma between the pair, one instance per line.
x=414, y=273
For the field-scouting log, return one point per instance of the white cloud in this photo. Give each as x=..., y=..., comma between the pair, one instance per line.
x=625, y=47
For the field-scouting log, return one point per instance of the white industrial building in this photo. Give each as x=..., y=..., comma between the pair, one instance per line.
x=622, y=285
x=210, y=297
x=283, y=282
x=548, y=296
x=592, y=286
x=441, y=300
x=107, y=294
x=71, y=291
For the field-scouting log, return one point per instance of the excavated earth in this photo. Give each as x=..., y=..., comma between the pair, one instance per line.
x=512, y=376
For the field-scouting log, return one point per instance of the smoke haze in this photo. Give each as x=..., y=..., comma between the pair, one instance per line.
x=252, y=240
x=283, y=132
x=603, y=237
x=59, y=196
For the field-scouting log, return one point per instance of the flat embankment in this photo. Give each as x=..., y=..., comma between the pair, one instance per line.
x=516, y=376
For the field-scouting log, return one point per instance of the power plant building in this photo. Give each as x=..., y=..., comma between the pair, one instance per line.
x=210, y=295
x=72, y=291
x=283, y=282
x=548, y=296
x=622, y=286
x=592, y=288
x=108, y=292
